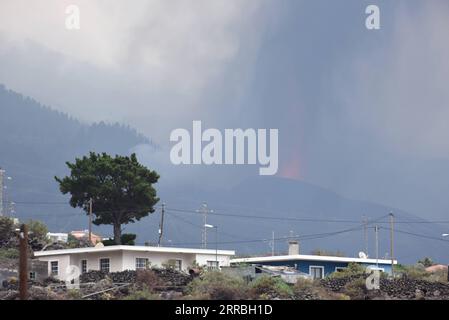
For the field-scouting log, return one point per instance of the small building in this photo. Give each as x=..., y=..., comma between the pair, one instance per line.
x=437, y=268
x=84, y=235
x=120, y=258
x=316, y=266
x=58, y=237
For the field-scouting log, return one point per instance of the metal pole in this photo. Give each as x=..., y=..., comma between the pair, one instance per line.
x=216, y=246
x=365, y=230
x=204, y=210
x=2, y=172
x=161, y=226
x=392, y=242
x=376, y=231
x=23, y=262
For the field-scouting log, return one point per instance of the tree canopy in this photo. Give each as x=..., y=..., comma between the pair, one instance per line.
x=121, y=189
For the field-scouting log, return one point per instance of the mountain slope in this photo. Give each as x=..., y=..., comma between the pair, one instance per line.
x=251, y=211
x=35, y=143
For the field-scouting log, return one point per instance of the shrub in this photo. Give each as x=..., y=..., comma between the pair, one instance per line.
x=356, y=289
x=38, y=230
x=218, y=286
x=6, y=229
x=426, y=262
x=9, y=253
x=74, y=294
x=142, y=294
x=417, y=272
x=353, y=269
x=305, y=289
x=270, y=287
x=127, y=239
x=148, y=278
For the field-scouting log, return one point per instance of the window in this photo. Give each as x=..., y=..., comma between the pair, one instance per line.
x=32, y=275
x=338, y=269
x=141, y=263
x=104, y=265
x=212, y=264
x=317, y=272
x=83, y=266
x=177, y=264
x=54, y=268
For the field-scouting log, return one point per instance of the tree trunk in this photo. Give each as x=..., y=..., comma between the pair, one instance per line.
x=117, y=233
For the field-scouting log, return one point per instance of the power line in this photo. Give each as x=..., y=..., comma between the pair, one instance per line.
x=419, y=235
x=238, y=215
x=305, y=237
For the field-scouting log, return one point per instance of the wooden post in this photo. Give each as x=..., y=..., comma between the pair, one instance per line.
x=23, y=262
x=392, y=242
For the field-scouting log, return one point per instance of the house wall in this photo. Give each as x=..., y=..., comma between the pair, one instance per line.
x=63, y=263
x=223, y=261
x=93, y=260
x=126, y=260
x=157, y=259
x=329, y=266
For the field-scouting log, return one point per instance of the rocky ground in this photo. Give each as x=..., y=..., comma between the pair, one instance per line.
x=171, y=284
x=401, y=288
x=97, y=285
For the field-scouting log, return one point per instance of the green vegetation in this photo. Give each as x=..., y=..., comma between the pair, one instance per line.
x=74, y=294
x=426, y=262
x=353, y=269
x=356, y=289
x=142, y=294
x=418, y=272
x=6, y=230
x=267, y=287
x=218, y=286
x=9, y=253
x=148, y=279
x=37, y=231
x=305, y=289
x=121, y=189
x=127, y=239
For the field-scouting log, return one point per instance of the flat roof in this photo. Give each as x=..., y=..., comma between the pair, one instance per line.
x=305, y=257
x=131, y=248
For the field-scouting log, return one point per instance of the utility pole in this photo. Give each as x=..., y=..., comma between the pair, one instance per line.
x=161, y=225
x=392, y=242
x=90, y=220
x=204, y=211
x=376, y=231
x=365, y=233
x=2, y=174
x=23, y=262
x=272, y=243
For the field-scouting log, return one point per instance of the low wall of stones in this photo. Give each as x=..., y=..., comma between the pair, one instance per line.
x=400, y=288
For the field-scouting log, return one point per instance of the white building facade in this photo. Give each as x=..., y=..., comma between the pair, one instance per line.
x=121, y=258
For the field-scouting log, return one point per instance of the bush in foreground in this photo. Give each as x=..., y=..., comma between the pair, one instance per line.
x=305, y=289
x=268, y=287
x=218, y=286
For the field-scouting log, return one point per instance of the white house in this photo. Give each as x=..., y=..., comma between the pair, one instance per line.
x=58, y=237
x=120, y=258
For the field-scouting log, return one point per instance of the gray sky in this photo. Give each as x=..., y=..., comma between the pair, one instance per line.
x=362, y=112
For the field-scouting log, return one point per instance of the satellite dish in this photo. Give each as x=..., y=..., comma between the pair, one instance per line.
x=362, y=255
